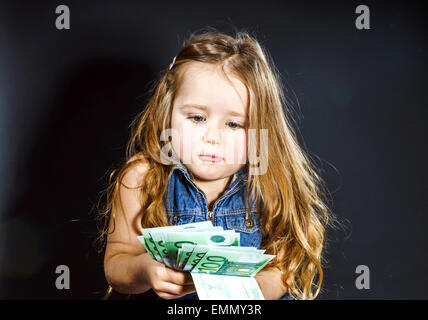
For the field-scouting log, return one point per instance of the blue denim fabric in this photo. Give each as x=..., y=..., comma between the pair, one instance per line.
x=185, y=203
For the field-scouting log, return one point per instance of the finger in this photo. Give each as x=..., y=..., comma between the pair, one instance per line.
x=176, y=290
x=182, y=290
x=179, y=277
x=188, y=280
x=167, y=295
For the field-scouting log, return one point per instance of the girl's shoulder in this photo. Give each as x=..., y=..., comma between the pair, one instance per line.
x=138, y=159
x=138, y=167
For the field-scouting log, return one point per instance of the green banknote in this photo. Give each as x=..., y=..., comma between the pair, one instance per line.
x=174, y=240
x=183, y=254
x=150, y=244
x=218, y=287
x=170, y=256
x=180, y=257
x=233, y=263
x=220, y=268
x=158, y=240
x=197, y=252
x=149, y=248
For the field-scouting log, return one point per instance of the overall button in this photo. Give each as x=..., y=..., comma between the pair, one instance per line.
x=249, y=223
x=240, y=222
x=249, y=230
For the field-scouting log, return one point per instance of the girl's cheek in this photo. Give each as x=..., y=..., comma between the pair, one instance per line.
x=235, y=148
x=192, y=143
x=179, y=143
x=195, y=141
x=241, y=149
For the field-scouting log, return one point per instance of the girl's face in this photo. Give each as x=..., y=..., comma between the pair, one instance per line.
x=209, y=116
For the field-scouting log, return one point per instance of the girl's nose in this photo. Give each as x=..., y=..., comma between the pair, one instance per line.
x=212, y=135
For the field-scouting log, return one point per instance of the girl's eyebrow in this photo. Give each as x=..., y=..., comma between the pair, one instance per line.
x=205, y=108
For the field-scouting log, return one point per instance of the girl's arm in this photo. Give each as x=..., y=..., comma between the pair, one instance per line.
x=123, y=272
x=270, y=282
x=127, y=266
x=125, y=257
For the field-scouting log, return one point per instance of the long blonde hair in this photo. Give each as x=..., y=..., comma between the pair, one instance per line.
x=291, y=193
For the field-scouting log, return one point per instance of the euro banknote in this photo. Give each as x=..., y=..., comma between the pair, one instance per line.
x=149, y=243
x=220, y=267
x=217, y=287
x=217, y=260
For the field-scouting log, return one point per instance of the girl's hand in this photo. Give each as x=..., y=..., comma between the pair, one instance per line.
x=168, y=283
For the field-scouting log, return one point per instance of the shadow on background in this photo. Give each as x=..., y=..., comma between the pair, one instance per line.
x=51, y=223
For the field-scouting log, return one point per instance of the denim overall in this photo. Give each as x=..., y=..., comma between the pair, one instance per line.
x=187, y=203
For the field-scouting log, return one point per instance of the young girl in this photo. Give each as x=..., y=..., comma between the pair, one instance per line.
x=233, y=159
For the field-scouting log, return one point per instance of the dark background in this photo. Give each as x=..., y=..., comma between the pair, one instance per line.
x=67, y=98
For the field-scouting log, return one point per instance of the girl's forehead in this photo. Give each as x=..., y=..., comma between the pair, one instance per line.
x=205, y=84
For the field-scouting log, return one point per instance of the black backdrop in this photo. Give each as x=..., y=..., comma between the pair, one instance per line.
x=67, y=98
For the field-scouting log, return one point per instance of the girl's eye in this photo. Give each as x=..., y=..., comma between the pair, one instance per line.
x=193, y=118
x=196, y=117
x=235, y=125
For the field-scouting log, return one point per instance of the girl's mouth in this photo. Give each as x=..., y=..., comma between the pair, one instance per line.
x=210, y=157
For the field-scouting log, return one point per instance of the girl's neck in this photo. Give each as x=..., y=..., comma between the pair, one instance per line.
x=212, y=189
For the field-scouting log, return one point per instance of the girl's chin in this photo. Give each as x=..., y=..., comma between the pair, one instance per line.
x=206, y=170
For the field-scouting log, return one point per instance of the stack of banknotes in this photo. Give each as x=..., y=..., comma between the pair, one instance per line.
x=220, y=268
